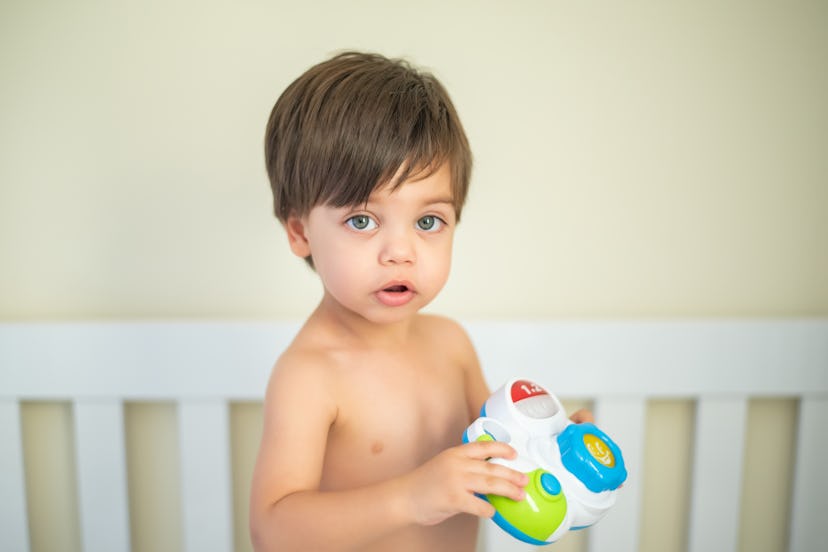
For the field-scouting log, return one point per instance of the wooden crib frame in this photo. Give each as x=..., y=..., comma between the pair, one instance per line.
x=620, y=365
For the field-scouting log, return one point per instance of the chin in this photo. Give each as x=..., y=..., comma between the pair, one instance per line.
x=382, y=314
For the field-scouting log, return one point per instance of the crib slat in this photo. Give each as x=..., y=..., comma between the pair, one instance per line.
x=622, y=419
x=810, y=493
x=204, y=435
x=717, y=473
x=14, y=530
x=102, y=475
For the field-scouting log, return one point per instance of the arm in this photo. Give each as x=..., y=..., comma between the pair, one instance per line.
x=477, y=390
x=287, y=510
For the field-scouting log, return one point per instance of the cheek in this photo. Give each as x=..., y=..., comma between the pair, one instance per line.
x=440, y=264
x=339, y=266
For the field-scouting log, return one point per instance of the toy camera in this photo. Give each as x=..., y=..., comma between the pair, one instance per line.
x=574, y=469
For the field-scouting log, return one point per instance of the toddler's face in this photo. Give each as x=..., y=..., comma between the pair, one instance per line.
x=387, y=259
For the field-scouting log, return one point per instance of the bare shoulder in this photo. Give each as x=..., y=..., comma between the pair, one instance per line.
x=304, y=373
x=447, y=333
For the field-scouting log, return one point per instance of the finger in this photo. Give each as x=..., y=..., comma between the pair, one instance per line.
x=484, y=509
x=489, y=449
x=479, y=507
x=487, y=484
x=582, y=416
x=490, y=469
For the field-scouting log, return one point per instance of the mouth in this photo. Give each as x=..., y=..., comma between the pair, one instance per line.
x=396, y=294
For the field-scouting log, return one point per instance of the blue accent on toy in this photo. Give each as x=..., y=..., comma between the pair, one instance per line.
x=550, y=484
x=577, y=459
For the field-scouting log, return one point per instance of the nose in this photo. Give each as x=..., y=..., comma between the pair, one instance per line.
x=398, y=248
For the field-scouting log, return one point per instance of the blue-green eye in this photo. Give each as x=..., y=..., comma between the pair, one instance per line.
x=361, y=222
x=429, y=223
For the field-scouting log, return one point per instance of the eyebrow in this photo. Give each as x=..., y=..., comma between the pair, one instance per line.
x=438, y=200
x=441, y=199
x=448, y=200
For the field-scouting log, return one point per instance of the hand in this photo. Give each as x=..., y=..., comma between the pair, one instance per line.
x=446, y=484
x=582, y=416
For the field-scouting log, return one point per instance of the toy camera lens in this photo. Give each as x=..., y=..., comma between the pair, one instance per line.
x=591, y=456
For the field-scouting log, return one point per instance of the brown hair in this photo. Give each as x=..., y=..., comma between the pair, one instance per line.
x=349, y=124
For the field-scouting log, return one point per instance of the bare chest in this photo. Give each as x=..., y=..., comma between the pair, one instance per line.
x=395, y=412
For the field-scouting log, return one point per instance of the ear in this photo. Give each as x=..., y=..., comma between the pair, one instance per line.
x=297, y=239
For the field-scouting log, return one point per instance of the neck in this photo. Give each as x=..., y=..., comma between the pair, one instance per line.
x=363, y=332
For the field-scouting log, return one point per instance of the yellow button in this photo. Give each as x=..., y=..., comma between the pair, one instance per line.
x=599, y=450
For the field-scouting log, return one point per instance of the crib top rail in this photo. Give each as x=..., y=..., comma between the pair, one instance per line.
x=174, y=360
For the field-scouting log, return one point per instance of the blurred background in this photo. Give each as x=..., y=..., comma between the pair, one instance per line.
x=633, y=160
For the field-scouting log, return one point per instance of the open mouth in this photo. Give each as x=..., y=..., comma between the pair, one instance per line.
x=396, y=294
x=396, y=289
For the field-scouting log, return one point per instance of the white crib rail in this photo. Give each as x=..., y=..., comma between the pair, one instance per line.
x=717, y=473
x=204, y=432
x=808, y=531
x=13, y=521
x=624, y=420
x=102, y=479
x=204, y=366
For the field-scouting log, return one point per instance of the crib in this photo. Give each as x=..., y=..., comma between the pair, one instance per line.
x=619, y=366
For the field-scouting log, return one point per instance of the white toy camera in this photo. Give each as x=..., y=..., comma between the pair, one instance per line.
x=574, y=469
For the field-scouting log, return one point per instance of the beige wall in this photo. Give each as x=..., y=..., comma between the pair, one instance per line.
x=633, y=159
